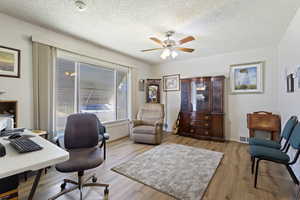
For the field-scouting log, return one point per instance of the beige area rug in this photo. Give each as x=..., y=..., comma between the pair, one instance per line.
x=180, y=171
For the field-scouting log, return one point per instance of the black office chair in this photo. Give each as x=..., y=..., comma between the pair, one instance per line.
x=81, y=141
x=103, y=138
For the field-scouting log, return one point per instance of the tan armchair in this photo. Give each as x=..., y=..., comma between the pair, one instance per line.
x=148, y=126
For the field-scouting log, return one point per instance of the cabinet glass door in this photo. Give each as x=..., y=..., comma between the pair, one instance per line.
x=200, y=95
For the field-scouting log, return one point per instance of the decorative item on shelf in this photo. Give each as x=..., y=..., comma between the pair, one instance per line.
x=171, y=82
x=246, y=78
x=10, y=62
x=153, y=90
x=290, y=83
x=142, y=85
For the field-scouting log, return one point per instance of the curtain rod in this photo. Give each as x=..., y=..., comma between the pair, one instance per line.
x=92, y=57
x=42, y=40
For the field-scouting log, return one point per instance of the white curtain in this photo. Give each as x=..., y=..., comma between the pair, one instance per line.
x=43, y=73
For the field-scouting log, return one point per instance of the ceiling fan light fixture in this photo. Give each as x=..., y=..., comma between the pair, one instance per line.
x=167, y=52
x=174, y=54
x=162, y=56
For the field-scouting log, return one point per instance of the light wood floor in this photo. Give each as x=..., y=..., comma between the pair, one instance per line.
x=232, y=181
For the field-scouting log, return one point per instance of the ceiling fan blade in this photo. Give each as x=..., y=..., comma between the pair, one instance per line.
x=187, y=39
x=151, y=49
x=158, y=41
x=185, y=49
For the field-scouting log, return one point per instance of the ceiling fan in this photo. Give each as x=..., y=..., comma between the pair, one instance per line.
x=169, y=46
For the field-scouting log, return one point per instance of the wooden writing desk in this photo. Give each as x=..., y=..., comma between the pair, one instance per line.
x=264, y=121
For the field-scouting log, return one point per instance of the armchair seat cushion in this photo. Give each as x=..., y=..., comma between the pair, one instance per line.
x=144, y=130
x=269, y=154
x=81, y=159
x=265, y=143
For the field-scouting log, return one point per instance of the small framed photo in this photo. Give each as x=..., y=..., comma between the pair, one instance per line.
x=10, y=62
x=246, y=78
x=290, y=83
x=298, y=77
x=171, y=82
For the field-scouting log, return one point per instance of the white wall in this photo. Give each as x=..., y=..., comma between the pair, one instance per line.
x=289, y=59
x=17, y=34
x=236, y=106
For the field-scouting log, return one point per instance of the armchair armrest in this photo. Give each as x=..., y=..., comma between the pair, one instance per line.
x=158, y=123
x=135, y=123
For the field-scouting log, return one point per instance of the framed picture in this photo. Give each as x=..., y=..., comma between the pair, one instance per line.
x=171, y=82
x=153, y=90
x=10, y=62
x=246, y=78
x=290, y=83
x=298, y=77
x=142, y=85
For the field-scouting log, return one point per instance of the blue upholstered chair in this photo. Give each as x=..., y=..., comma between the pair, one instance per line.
x=285, y=134
x=259, y=153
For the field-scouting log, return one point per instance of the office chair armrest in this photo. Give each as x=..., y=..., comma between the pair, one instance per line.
x=103, y=138
x=102, y=130
x=58, y=141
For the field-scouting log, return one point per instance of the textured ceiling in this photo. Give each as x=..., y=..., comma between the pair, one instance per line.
x=220, y=26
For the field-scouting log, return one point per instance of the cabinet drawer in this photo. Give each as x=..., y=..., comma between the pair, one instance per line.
x=201, y=123
x=200, y=131
x=200, y=116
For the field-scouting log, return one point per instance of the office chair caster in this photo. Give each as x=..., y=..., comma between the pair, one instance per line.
x=94, y=179
x=106, y=193
x=63, y=186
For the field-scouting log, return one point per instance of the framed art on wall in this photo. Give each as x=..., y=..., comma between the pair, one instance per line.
x=246, y=78
x=171, y=82
x=298, y=77
x=290, y=83
x=9, y=62
x=153, y=90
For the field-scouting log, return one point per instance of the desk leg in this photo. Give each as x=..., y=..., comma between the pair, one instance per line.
x=35, y=184
x=104, y=149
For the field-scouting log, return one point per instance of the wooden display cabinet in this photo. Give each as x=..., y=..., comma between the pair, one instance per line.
x=202, y=103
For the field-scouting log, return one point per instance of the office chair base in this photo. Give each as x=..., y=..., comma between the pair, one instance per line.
x=81, y=184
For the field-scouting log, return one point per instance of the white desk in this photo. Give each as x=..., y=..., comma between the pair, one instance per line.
x=16, y=163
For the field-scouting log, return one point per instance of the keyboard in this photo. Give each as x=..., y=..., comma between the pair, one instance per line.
x=25, y=145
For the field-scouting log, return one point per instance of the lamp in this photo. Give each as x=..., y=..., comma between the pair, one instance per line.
x=168, y=52
x=174, y=54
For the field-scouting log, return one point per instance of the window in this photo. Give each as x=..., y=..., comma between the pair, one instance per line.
x=97, y=92
x=92, y=88
x=65, y=91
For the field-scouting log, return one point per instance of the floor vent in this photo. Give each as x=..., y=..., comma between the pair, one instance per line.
x=244, y=139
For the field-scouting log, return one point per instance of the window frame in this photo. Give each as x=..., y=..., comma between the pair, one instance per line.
x=78, y=59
